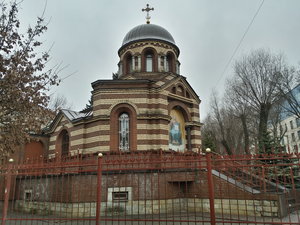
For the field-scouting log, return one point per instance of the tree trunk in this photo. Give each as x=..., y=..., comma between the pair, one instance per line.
x=263, y=125
x=246, y=134
x=226, y=146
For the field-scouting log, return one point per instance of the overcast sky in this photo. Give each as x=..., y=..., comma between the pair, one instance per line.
x=88, y=33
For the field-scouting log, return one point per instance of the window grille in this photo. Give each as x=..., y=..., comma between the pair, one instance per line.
x=124, y=132
x=129, y=64
x=65, y=143
x=149, y=63
x=162, y=61
x=120, y=196
x=136, y=62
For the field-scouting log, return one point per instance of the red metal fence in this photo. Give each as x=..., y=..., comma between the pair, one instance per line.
x=152, y=188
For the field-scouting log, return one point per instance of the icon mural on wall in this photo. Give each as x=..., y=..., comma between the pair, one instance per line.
x=176, y=131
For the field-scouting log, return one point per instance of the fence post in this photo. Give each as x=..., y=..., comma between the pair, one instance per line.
x=7, y=191
x=210, y=187
x=99, y=189
x=264, y=179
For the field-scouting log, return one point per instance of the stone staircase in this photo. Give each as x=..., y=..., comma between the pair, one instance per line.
x=260, y=181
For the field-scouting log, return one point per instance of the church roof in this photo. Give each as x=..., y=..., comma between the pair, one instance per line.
x=148, y=32
x=71, y=115
x=74, y=116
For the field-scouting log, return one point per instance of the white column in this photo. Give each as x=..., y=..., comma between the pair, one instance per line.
x=159, y=63
x=160, y=69
x=132, y=64
x=139, y=63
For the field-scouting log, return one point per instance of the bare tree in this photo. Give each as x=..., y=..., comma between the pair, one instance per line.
x=220, y=121
x=256, y=80
x=58, y=102
x=227, y=127
x=276, y=129
x=290, y=92
x=239, y=108
x=209, y=135
x=23, y=79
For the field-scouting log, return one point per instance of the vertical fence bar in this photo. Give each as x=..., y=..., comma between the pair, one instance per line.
x=7, y=191
x=264, y=179
x=210, y=187
x=292, y=178
x=99, y=189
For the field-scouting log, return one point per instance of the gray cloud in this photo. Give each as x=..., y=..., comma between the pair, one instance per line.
x=88, y=34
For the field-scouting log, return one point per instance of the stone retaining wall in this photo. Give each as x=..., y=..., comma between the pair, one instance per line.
x=264, y=208
x=267, y=208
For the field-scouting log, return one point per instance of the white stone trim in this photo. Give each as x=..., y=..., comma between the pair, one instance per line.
x=119, y=189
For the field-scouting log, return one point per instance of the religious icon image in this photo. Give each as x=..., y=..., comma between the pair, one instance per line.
x=175, y=132
x=177, y=140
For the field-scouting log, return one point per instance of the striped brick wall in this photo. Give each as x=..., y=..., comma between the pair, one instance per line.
x=84, y=138
x=151, y=105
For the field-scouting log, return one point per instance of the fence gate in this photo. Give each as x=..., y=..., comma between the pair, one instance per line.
x=152, y=188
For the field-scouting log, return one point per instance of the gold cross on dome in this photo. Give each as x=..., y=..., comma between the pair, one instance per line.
x=147, y=9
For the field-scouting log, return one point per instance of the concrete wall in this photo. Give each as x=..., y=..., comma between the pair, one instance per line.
x=232, y=207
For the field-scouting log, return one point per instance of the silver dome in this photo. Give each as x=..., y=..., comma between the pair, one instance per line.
x=148, y=32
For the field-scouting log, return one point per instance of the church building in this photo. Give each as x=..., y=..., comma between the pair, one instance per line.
x=147, y=106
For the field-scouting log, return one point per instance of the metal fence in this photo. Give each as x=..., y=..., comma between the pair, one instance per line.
x=152, y=188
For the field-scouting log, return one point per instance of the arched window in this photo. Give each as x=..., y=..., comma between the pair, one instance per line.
x=174, y=90
x=124, y=132
x=149, y=62
x=136, y=62
x=65, y=142
x=128, y=64
x=180, y=90
x=170, y=63
x=123, y=126
x=167, y=66
x=187, y=94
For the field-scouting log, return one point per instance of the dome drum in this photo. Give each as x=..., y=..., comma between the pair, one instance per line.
x=148, y=48
x=148, y=59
